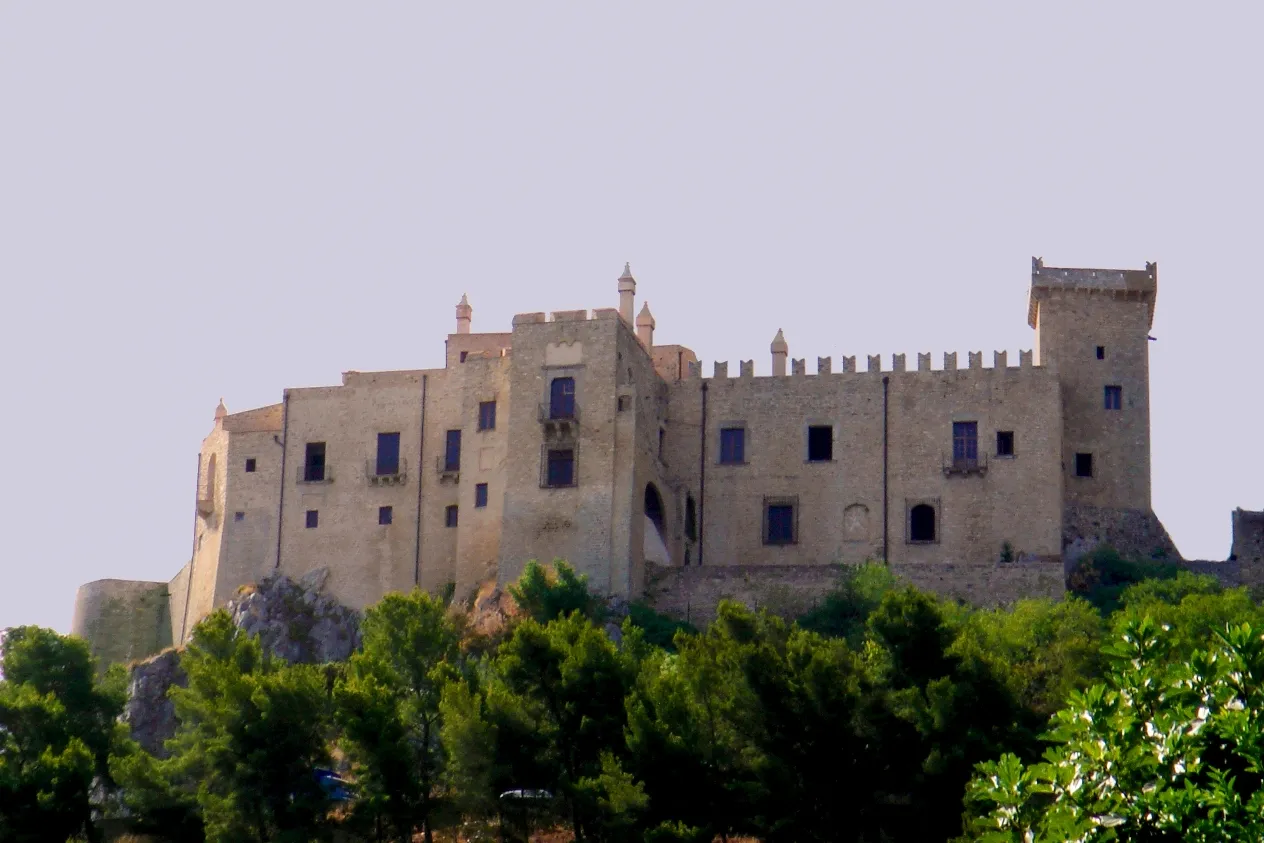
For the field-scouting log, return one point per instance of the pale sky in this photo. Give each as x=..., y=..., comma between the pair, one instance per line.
x=206, y=200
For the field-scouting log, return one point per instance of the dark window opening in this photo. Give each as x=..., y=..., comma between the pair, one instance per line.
x=480, y=495
x=654, y=510
x=450, y=516
x=314, y=462
x=250, y=465
x=1101, y=352
x=562, y=398
x=625, y=403
x=1114, y=398
x=452, y=451
x=1005, y=443
x=691, y=519
x=820, y=443
x=733, y=445
x=313, y=518
x=779, y=523
x=965, y=443
x=385, y=515
x=387, y=453
x=560, y=470
x=487, y=415
x=922, y=523
x=239, y=516
x=464, y=354
x=1083, y=465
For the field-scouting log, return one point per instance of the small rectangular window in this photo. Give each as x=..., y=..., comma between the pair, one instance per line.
x=1101, y=352
x=313, y=518
x=625, y=403
x=449, y=516
x=733, y=445
x=487, y=415
x=239, y=516
x=1083, y=465
x=562, y=398
x=452, y=451
x=560, y=469
x=480, y=495
x=820, y=443
x=250, y=465
x=314, y=462
x=387, y=454
x=965, y=442
x=464, y=354
x=779, y=522
x=1114, y=398
x=385, y=514
x=1005, y=443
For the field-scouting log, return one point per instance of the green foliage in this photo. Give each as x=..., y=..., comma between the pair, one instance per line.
x=844, y=611
x=1103, y=575
x=1165, y=750
x=56, y=731
x=659, y=630
x=549, y=593
x=388, y=706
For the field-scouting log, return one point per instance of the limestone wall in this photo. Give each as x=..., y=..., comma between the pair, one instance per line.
x=122, y=620
x=1135, y=533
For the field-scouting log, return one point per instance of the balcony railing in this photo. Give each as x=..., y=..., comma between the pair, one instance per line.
x=559, y=423
x=377, y=477
x=965, y=465
x=447, y=469
x=311, y=474
x=548, y=412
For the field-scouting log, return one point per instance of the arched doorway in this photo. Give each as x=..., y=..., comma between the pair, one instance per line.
x=655, y=527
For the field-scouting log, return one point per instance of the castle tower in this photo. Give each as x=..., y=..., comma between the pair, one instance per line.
x=1092, y=328
x=464, y=315
x=627, y=294
x=780, y=350
x=645, y=327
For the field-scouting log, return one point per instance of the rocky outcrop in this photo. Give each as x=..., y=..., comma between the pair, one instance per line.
x=1135, y=533
x=149, y=712
x=295, y=621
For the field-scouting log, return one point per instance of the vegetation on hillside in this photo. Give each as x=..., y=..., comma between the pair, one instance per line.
x=1133, y=713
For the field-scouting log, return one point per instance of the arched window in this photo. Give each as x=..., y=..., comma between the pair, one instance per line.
x=922, y=523
x=562, y=398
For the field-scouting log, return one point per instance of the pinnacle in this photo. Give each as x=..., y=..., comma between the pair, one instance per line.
x=779, y=345
x=627, y=271
x=645, y=317
x=221, y=410
x=465, y=301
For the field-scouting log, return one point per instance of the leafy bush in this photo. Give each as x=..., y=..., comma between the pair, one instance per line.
x=546, y=594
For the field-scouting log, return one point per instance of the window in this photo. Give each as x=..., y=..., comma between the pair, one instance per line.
x=779, y=522
x=1114, y=398
x=385, y=515
x=560, y=468
x=487, y=415
x=449, y=516
x=562, y=398
x=965, y=442
x=314, y=462
x=239, y=516
x=922, y=523
x=1083, y=465
x=480, y=495
x=452, y=451
x=1101, y=352
x=464, y=354
x=691, y=519
x=313, y=518
x=1005, y=443
x=387, y=453
x=820, y=443
x=733, y=445
x=250, y=465
x=625, y=403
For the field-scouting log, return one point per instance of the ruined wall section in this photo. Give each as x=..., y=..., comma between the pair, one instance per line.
x=1135, y=533
x=1248, y=546
x=122, y=620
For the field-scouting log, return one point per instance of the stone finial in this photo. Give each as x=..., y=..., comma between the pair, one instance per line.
x=780, y=351
x=221, y=410
x=464, y=315
x=627, y=293
x=645, y=326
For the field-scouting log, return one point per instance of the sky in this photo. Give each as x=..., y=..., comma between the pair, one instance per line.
x=224, y=200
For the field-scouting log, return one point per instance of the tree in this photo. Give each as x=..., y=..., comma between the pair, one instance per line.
x=57, y=725
x=845, y=610
x=1167, y=749
x=389, y=707
x=546, y=595
x=253, y=730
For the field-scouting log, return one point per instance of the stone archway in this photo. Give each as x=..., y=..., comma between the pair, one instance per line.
x=655, y=548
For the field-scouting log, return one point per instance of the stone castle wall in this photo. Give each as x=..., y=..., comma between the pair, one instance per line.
x=122, y=620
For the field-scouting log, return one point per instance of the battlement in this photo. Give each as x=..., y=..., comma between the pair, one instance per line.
x=1125, y=284
x=540, y=317
x=825, y=365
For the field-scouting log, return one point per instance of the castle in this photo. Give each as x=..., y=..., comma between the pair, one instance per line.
x=575, y=436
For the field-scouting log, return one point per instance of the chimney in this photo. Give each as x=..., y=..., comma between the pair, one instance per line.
x=645, y=327
x=464, y=315
x=627, y=293
x=779, y=353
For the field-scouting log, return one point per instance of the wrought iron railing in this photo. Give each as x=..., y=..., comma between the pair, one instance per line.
x=386, y=475
x=566, y=411
x=315, y=474
x=956, y=464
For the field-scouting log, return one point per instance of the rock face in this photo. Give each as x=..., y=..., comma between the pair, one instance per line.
x=149, y=712
x=295, y=621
